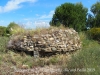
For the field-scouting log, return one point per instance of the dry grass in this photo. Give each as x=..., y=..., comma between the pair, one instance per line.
x=85, y=61
x=22, y=31
x=11, y=60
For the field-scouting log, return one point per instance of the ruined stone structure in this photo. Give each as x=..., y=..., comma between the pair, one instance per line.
x=53, y=40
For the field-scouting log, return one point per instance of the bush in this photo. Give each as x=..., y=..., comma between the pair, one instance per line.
x=94, y=33
x=14, y=28
x=3, y=43
x=85, y=61
x=2, y=31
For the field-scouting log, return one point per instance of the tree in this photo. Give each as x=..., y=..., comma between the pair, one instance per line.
x=70, y=15
x=95, y=9
x=90, y=20
x=12, y=27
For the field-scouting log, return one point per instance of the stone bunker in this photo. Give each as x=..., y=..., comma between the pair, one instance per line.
x=47, y=41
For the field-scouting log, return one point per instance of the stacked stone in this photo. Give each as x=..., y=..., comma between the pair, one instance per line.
x=59, y=40
x=54, y=40
x=27, y=43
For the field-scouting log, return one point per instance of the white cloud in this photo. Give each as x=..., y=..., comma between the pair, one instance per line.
x=41, y=23
x=35, y=24
x=38, y=21
x=14, y=4
x=29, y=23
x=47, y=16
x=44, y=19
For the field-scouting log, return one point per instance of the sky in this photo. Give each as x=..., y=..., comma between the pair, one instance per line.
x=33, y=13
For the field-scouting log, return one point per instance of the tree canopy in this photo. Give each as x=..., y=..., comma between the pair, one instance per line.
x=70, y=15
x=95, y=9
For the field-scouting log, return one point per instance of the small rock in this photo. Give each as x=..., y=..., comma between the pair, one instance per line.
x=25, y=67
x=53, y=49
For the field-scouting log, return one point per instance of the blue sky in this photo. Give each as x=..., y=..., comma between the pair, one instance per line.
x=32, y=13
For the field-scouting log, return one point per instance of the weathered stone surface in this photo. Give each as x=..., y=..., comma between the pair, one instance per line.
x=52, y=40
x=53, y=49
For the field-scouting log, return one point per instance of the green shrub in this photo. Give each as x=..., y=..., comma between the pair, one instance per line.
x=94, y=33
x=2, y=31
x=14, y=28
x=3, y=43
x=85, y=61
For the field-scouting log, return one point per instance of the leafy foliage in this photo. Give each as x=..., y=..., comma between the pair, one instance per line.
x=95, y=9
x=85, y=61
x=70, y=15
x=2, y=30
x=94, y=33
x=90, y=21
x=14, y=28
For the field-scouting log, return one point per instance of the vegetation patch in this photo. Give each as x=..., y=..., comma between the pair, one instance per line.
x=94, y=33
x=85, y=61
